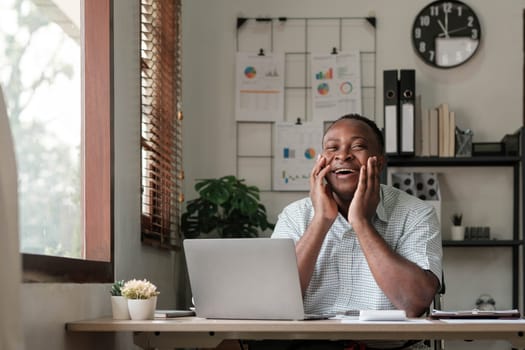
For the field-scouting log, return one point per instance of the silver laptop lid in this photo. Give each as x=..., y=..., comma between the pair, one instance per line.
x=244, y=278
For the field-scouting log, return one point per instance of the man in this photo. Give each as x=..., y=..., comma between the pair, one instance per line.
x=359, y=244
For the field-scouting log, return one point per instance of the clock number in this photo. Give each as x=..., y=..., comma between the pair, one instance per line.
x=424, y=21
x=434, y=10
x=431, y=55
x=422, y=47
x=417, y=33
x=447, y=7
x=460, y=11
x=470, y=21
x=474, y=35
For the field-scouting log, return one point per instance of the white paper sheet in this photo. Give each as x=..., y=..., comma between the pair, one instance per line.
x=295, y=150
x=336, y=85
x=259, y=92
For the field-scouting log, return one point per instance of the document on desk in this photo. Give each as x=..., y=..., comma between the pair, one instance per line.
x=484, y=320
x=476, y=314
x=356, y=320
x=372, y=316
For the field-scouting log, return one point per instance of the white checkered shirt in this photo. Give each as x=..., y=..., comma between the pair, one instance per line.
x=342, y=279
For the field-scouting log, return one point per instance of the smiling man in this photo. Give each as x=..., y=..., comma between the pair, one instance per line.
x=360, y=244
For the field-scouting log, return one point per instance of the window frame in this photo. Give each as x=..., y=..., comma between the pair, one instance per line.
x=97, y=161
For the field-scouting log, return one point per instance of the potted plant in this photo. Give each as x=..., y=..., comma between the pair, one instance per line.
x=142, y=298
x=119, y=304
x=457, y=230
x=227, y=208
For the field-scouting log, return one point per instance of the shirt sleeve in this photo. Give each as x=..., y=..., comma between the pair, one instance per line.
x=421, y=240
x=292, y=221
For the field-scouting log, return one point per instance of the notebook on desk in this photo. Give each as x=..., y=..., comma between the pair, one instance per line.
x=245, y=278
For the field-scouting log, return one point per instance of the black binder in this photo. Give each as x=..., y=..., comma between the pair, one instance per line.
x=407, y=106
x=391, y=111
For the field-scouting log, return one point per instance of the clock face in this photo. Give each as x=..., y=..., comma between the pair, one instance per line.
x=446, y=34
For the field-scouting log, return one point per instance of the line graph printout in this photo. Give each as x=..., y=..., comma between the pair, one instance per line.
x=260, y=87
x=296, y=148
x=336, y=85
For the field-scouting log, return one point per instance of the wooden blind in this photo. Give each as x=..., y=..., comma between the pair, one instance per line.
x=161, y=119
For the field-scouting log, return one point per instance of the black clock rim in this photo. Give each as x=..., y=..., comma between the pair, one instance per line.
x=433, y=64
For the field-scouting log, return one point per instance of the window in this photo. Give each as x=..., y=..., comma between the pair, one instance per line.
x=161, y=118
x=86, y=164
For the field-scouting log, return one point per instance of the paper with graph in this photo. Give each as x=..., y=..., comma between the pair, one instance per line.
x=259, y=92
x=295, y=150
x=336, y=85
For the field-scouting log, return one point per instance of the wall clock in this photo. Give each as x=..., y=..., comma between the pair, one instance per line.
x=446, y=34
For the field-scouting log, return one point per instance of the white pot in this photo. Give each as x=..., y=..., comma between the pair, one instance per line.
x=142, y=309
x=119, y=308
x=457, y=233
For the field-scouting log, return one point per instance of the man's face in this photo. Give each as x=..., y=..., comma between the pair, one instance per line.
x=349, y=143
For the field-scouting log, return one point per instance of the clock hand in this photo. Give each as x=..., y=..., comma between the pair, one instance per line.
x=445, y=32
x=452, y=31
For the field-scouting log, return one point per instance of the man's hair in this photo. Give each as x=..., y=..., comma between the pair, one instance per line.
x=369, y=122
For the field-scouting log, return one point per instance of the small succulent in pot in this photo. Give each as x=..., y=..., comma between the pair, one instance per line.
x=457, y=219
x=116, y=288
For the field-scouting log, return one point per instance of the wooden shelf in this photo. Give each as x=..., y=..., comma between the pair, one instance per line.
x=483, y=243
x=454, y=161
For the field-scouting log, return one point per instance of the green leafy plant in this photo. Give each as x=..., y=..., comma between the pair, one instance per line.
x=227, y=207
x=116, y=288
x=457, y=219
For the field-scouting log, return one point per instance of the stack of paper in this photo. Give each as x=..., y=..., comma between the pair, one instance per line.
x=498, y=314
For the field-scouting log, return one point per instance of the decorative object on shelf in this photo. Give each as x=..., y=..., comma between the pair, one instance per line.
x=119, y=303
x=446, y=34
x=464, y=142
x=477, y=232
x=226, y=207
x=142, y=298
x=488, y=149
x=425, y=186
x=485, y=303
x=511, y=143
x=457, y=231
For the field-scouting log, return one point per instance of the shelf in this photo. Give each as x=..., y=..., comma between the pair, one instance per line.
x=483, y=243
x=454, y=161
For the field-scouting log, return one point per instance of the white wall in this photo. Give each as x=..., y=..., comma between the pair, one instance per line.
x=48, y=306
x=486, y=94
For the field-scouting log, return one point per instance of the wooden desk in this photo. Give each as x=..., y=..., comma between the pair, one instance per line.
x=198, y=332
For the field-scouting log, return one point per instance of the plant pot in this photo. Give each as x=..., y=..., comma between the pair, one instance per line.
x=142, y=309
x=457, y=233
x=119, y=308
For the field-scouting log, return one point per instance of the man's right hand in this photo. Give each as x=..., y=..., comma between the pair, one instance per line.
x=325, y=206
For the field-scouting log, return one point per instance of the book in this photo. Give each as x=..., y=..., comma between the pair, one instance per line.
x=425, y=133
x=433, y=133
x=475, y=314
x=444, y=126
x=452, y=134
x=173, y=313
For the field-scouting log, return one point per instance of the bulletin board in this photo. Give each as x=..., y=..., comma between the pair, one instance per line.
x=298, y=39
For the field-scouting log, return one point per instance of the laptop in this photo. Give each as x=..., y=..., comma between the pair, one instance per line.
x=245, y=278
